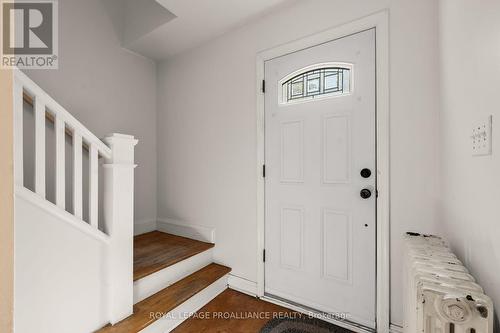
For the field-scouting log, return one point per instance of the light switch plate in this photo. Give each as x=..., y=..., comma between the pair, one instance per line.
x=481, y=137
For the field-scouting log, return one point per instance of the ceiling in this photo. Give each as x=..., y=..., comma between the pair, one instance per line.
x=159, y=29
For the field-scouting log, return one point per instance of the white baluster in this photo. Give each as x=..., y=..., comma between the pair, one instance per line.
x=18, y=133
x=39, y=147
x=77, y=174
x=94, y=186
x=60, y=163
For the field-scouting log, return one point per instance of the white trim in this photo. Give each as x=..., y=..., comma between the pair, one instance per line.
x=242, y=285
x=175, y=317
x=379, y=21
x=153, y=283
x=177, y=227
x=17, y=127
x=144, y=226
x=77, y=175
x=61, y=214
x=40, y=143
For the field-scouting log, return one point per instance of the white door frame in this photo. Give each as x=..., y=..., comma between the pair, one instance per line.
x=379, y=21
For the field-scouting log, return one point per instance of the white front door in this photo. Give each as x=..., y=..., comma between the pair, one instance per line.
x=320, y=177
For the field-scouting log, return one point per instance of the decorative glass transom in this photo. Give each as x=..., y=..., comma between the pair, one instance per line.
x=317, y=82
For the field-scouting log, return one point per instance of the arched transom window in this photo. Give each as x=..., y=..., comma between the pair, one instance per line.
x=321, y=80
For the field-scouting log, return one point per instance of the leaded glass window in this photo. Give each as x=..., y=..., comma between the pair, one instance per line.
x=327, y=80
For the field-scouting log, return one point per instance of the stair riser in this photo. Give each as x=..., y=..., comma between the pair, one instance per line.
x=151, y=284
x=175, y=317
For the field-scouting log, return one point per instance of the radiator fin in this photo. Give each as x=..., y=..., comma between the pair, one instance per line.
x=441, y=296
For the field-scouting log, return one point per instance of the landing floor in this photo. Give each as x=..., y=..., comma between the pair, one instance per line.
x=232, y=312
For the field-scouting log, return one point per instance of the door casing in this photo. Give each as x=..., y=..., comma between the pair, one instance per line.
x=379, y=21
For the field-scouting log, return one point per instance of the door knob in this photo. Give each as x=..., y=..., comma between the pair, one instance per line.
x=365, y=193
x=365, y=173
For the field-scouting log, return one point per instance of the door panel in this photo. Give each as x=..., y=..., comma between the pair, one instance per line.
x=336, y=251
x=292, y=146
x=336, y=149
x=319, y=135
x=292, y=223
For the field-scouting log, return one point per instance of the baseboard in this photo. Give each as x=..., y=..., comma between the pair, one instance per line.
x=176, y=227
x=143, y=226
x=242, y=285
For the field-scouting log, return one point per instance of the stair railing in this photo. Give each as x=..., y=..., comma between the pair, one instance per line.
x=117, y=150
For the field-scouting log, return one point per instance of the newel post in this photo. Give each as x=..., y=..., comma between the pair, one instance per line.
x=119, y=220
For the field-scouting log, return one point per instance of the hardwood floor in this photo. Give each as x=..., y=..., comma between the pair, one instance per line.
x=156, y=250
x=167, y=299
x=232, y=312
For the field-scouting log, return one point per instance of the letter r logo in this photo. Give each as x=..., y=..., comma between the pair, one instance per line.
x=28, y=28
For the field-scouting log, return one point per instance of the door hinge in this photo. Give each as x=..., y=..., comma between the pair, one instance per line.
x=264, y=255
x=376, y=193
x=263, y=86
x=263, y=171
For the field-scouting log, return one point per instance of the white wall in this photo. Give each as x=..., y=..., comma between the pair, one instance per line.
x=59, y=285
x=470, y=84
x=107, y=88
x=207, y=126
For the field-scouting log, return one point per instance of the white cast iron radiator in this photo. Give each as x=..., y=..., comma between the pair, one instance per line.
x=441, y=295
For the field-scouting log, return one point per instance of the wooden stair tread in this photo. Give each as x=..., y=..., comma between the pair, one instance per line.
x=168, y=299
x=156, y=250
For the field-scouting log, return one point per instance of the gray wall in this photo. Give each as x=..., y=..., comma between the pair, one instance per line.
x=470, y=197
x=207, y=126
x=107, y=88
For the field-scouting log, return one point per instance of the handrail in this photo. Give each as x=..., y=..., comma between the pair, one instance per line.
x=31, y=89
x=44, y=106
x=50, y=117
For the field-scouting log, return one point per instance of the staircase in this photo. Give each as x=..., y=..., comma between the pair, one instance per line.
x=173, y=277
x=75, y=234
